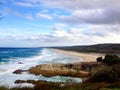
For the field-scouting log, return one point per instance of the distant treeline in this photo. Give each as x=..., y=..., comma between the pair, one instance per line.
x=98, y=48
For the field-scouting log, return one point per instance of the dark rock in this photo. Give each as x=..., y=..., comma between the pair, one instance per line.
x=20, y=63
x=19, y=71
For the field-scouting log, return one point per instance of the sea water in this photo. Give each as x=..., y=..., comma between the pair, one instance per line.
x=12, y=59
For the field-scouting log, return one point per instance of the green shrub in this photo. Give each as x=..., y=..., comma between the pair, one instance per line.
x=99, y=59
x=111, y=59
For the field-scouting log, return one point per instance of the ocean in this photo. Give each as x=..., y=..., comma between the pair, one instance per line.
x=12, y=59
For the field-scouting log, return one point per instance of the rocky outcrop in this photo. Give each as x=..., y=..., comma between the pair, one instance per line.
x=49, y=70
x=19, y=71
x=81, y=69
x=41, y=85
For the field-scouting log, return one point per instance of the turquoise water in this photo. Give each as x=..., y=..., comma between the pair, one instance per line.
x=29, y=57
x=10, y=54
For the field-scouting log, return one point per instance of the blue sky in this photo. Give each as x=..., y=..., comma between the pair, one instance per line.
x=34, y=23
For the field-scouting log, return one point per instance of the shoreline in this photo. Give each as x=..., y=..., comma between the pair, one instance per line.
x=88, y=57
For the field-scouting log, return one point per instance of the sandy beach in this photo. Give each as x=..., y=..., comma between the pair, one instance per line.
x=89, y=57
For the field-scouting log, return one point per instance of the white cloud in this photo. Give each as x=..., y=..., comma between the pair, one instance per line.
x=59, y=26
x=16, y=13
x=93, y=16
x=110, y=38
x=80, y=4
x=88, y=11
x=27, y=3
x=82, y=11
x=88, y=34
x=70, y=4
x=100, y=30
x=94, y=21
x=24, y=4
x=45, y=16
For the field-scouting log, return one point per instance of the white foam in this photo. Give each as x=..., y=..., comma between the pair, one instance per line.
x=45, y=56
x=25, y=85
x=26, y=62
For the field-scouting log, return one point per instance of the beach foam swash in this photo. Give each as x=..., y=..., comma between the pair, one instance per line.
x=12, y=59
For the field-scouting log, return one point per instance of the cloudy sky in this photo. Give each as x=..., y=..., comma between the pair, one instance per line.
x=33, y=23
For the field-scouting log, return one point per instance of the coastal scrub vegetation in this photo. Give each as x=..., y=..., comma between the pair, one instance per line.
x=109, y=59
x=98, y=48
x=111, y=70
x=109, y=74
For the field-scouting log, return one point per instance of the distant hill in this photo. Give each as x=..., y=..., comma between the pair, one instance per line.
x=98, y=48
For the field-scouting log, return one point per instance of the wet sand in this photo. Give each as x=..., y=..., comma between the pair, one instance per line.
x=89, y=57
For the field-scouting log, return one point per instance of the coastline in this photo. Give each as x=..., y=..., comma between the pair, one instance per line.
x=90, y=72
x=88, y=57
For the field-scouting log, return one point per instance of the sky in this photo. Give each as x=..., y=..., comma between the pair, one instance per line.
x=37, y=23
